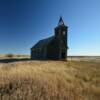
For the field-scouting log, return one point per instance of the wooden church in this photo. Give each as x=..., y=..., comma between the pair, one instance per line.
x=53, y=48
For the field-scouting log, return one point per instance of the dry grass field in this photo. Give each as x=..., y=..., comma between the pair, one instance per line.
x=50, y=80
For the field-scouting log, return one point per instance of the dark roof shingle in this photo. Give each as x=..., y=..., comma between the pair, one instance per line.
x=43, y=43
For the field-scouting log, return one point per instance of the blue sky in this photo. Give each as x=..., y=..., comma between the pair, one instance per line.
x=24, y=22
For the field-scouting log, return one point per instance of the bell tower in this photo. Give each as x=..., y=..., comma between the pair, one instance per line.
x=61, y=34
x=61, y=29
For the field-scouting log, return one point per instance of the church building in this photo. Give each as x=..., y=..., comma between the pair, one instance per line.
x=52, y=48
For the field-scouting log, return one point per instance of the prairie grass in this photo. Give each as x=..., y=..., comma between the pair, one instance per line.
x=50, y=80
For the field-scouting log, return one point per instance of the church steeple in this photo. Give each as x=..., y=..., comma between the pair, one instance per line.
x=61, y=22
x=61, y=35
x=61, y=29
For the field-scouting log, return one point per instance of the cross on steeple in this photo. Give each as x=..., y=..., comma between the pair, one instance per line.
x=61, y=22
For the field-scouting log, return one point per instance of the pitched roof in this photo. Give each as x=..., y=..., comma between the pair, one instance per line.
x=43, y=43
x=61, y=22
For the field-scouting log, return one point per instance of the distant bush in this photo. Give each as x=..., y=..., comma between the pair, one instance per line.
x=18, y=56
x=9, y=55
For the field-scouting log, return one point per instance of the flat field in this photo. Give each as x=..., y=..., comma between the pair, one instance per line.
x=75, y=79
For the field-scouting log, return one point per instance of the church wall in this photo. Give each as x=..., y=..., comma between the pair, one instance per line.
x=53, y=50
x=39, y=53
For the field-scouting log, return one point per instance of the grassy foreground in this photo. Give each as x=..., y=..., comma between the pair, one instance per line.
x=50, y=80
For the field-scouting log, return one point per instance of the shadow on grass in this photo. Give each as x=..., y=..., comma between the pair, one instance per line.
x=9, y=60
x=14, y=60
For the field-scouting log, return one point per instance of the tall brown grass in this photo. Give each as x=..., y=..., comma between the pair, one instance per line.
x=50, y=80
